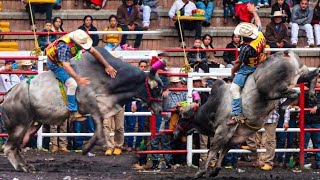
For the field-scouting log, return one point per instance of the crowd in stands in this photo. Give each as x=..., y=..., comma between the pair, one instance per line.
x=285, y=15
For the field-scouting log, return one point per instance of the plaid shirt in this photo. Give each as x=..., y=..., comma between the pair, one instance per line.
x=246, y=51
x=175, y=97
x=64, y=52
x=274, y=117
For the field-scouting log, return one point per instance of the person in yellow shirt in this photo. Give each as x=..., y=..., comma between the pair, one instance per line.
x=112, y=40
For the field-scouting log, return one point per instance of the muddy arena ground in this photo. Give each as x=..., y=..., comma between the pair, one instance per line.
x=75, y=166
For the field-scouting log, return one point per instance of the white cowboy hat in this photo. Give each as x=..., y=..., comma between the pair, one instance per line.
x=278, y=14
x=81, y=38
x=197, y=78
x=248, y=30
x=26, y=63
x=174, y=79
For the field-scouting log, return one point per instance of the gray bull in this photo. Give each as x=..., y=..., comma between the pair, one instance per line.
x=263, y=89
x=26, y=107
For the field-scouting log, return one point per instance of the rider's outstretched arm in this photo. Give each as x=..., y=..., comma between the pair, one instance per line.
x=256, y=17
x=108, y=68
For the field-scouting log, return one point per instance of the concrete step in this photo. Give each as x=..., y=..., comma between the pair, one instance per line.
x=71, y=19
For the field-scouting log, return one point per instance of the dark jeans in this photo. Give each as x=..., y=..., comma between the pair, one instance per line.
x=189, y=25
x=203, y=66
x=130, y=123
x=78, y=141
x=41, y=8
x=274, y=45
x=231, y=159
x=283, y=138
x=315, y=138
x=137, y=42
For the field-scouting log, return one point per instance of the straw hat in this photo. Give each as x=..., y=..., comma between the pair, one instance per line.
x=81, y=38
x=174, y=79
x=278, y=14
x=26, y=63
x=248, y=30
x=197, y=78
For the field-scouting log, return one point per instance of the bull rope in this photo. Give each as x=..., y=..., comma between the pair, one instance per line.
x=63, y=93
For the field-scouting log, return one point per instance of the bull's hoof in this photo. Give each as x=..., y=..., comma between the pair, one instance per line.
x=199, y=174
x=215, y=171
x=26, y=168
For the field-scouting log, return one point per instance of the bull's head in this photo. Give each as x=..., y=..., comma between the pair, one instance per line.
x=154, y=87
x=184, y=125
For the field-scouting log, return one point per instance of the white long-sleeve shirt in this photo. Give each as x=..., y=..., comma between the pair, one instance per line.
x=178, y=4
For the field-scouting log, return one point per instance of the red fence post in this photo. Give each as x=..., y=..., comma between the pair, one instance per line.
x=301, y=124
x=153, y=126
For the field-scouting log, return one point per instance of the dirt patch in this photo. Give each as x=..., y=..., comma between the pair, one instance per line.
x=77, y=166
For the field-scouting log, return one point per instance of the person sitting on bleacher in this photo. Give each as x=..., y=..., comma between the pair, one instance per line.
x=198, y=59
x=147, y=6
x=316, y=23
x=112, y=40
x=276, y=32
x=230, y=56
x=211, y=59
x=45, y=40
x=57, y=25
x=301, y=19
x=38, y=7
x=185, y=7
x=128, y=16
x=208, y=7
x=88, y=26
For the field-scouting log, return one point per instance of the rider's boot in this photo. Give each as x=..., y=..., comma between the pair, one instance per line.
x=236, y=111
x=73, y=107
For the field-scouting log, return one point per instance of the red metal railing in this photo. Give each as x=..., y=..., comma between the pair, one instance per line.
x=35, y=58
x=301, y=125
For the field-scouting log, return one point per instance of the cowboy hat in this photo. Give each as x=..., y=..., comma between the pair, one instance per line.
x=248, y=30
x=26, y=63
x=278, y=14
x=174, y=79
x=197, y=78
x=81, y=38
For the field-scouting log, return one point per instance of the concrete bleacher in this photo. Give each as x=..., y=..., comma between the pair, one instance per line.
x=14, y=12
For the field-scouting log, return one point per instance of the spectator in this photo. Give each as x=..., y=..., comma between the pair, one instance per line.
x=198, y=59
x=312, y=120
x=130, y=121
x=148, y=6
x=228, y=5
x=114, y=147
x=212, y=61
x=59, y=143
x=230, y=56
x=267, y=139
x=93, y=4
x=286, y=139
x=263, y=3
x=316, y=23
x=276, y=32
x=38, y=7
x=301, y=19
x=112, y=40
x=57, y=26
x=45, y=40
x=282, y=6
x=208, y=7
x=9, y=80
x=185, y=7
x=57, y=5
x=25, y=66
x=88, y=26
x=78, y=127
x=128, y=16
